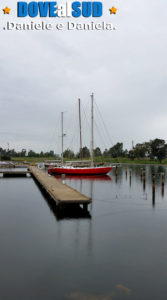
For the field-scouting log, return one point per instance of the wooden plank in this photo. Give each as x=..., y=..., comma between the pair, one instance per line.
x=61, y=193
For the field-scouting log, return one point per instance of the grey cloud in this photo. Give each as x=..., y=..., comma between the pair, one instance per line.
x=44, y=73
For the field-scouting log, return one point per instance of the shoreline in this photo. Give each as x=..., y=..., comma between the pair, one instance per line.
x=118, y=161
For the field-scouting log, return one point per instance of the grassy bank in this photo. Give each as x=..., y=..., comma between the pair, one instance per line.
x=32, y=159
x=124, y=160
x=97, y=159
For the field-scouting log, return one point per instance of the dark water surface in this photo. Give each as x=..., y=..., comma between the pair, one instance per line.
x=119, y=251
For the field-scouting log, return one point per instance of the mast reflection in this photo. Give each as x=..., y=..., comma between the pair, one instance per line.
x=87, y=177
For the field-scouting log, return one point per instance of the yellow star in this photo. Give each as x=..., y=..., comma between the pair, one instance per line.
x=7, y=10
x=113, y=10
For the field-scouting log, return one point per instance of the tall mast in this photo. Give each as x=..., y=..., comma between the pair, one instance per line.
x=62, y=137
x=91, y=144
x=79, y=104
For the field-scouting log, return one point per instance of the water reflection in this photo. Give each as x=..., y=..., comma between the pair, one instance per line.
x=153, y=198
x=135, y=176
x=119, y=292
x=108, y=253
x=162, y=191
x=126, y=173
x=144, y=184
x=86, y=177
x=71, y=211
x=79, y=182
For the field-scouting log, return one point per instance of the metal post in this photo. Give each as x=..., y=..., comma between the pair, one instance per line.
x=130, y=176
x=141, y=175
x=81, y=156
x=126, y=172
x=62, y=137
x=163, y=183
x=144, y=180
x=116, y=171
x=153, y=189
x=91, y=144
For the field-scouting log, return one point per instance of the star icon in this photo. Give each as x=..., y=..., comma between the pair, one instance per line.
x=113, y=10
x=7, y=10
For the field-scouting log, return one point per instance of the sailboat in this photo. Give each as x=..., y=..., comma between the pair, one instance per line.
x=70, y=170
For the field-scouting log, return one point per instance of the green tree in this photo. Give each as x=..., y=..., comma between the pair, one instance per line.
x=32, y=153
x=158, y=149
x=116, y=150
x=142, y=150
x=131, y=154
x=68, y=153
x=97, y=152
x=85, y=152
x=105, y=153
x=23, y=153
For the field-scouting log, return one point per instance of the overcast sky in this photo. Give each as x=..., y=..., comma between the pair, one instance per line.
x=44, y=73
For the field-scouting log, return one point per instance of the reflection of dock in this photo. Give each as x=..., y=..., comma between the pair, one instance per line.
x=61, y=193
x=67, y=212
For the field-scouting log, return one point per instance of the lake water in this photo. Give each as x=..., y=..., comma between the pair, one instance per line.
x=118, y=250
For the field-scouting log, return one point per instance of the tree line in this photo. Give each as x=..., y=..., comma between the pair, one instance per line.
x=154, y=149
x=8, y=153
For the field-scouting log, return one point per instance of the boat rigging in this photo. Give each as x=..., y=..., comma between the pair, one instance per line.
x=71, y=170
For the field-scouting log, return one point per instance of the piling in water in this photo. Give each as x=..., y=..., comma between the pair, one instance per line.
x=153, y=182
x=162, y=183
x=116, y=171
x=141, y=174
x=130, y=176
x=144, y=179
x=63, y=176
x=162, y=179
x=153, y=189
x=126, y=173
x=116, y=174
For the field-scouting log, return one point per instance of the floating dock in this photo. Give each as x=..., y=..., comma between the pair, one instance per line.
x=14, y=172
x=61, y=193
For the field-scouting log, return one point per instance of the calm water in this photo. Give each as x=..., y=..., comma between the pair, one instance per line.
x=117, y=251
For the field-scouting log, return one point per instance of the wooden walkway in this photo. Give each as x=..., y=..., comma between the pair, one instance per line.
x=61, y=193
